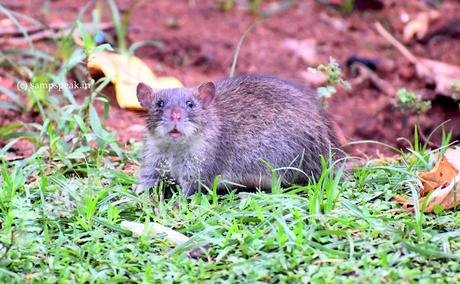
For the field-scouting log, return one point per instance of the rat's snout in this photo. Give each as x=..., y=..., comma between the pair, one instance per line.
x=176, y=114
x=175, y=126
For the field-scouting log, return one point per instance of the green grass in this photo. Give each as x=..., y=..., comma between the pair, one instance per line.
x=60, y=213
x=61, y=226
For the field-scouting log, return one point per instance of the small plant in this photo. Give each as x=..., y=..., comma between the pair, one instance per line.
x=348, y=6
x=334, y=78
x=407, y=100
x=456, y=89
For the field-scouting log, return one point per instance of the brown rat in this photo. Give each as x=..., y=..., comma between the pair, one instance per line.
x=232, y=128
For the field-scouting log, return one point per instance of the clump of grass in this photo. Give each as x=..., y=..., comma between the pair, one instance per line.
x=348, y=6
x=407, y=100
x=66, y=126
x=335, y=229
x=65, y=225
x=121, y=23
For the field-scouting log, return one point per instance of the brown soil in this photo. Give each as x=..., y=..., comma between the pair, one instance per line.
x=201, y=48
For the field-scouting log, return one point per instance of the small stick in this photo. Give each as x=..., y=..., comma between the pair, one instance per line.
x=367, y=74
x=393, y=41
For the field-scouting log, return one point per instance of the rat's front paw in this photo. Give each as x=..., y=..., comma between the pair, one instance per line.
x=139, y=188
x=189, y=191
x=146, y=184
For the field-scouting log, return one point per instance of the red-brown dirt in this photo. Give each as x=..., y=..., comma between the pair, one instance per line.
x=201, y=46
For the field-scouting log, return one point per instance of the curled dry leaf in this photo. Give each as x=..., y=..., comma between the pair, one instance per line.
x=441, y=175
x=443, y=181
x=419, y=26
x=125, y=72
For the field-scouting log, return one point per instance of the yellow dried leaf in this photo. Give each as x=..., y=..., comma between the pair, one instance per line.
x=125, y=72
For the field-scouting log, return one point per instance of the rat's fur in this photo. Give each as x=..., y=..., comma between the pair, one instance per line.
x=249, y=119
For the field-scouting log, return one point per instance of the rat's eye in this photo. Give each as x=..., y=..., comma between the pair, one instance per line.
x=189, y=104
x=160, y=103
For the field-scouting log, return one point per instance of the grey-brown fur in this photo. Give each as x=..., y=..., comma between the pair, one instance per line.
x=249, y=119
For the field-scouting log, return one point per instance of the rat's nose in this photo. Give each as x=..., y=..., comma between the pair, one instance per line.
x=176, y=114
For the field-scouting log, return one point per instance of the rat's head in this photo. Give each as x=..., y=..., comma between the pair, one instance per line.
x=176, y=114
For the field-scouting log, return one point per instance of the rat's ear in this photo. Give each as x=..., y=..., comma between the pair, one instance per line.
x=144, y=95
x=207, y=92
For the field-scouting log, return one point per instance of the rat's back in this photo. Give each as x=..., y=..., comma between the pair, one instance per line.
x=267, y=119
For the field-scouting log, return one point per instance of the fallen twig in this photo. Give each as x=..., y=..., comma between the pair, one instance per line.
x=401, y=48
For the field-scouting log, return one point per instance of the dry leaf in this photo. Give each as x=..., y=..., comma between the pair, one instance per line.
x=125, y=72
x=444, y=75
x=447, y=197
x=443, y=180
x=419, y=26
x=441, y=175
